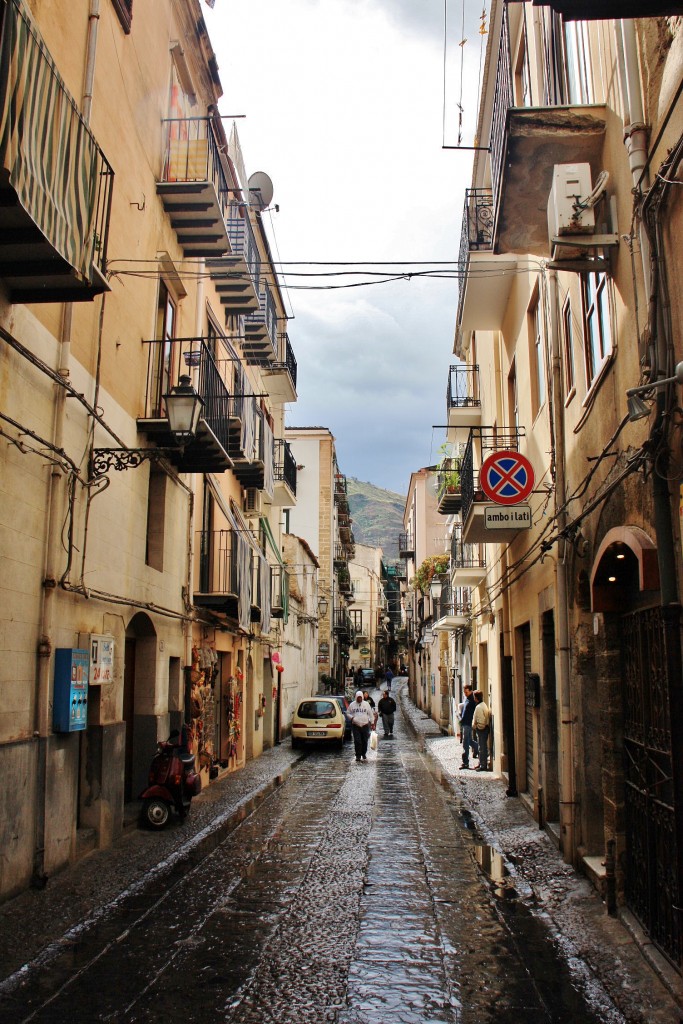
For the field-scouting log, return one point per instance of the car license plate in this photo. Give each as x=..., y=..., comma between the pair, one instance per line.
x=316, y=732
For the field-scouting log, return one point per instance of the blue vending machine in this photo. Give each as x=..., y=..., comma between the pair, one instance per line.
x=70, y=709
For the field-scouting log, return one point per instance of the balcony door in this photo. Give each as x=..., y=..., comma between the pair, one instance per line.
x=165, y=370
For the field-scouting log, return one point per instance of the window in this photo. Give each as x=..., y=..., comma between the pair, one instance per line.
x=156, y=520
x=597, y=326
x=165, y=332
x=537, y=354
x=568, y=349
x=512, y=397
x=578, y=63
x=124, y=9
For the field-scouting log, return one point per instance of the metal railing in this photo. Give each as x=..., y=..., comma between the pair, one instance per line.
x=476, y=234
x=482, y=441
x=287, y=358
x=463, y=383
x=265, y=316
x=502, y=101
x=191, y=154
x=285, y=464
x=405, y=542
x=449, y=476
x=217, y=562
x=168, y=360
x=465, y=556
x=243, y=243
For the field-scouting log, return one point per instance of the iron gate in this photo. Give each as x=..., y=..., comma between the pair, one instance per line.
x=652, y=889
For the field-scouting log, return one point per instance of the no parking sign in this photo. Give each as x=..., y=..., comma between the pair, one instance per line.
x=507, y=478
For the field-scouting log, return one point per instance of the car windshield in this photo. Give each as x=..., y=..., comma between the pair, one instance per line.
x=316, y=709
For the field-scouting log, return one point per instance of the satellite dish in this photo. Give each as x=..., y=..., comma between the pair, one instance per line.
x=260, y=190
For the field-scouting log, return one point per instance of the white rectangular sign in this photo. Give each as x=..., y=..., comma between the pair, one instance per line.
x=101, y=659
x=506, y=517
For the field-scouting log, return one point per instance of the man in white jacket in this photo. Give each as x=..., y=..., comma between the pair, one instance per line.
x=362, y=718
x=481, y=728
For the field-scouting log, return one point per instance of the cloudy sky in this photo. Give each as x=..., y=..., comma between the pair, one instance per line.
x=344, y=110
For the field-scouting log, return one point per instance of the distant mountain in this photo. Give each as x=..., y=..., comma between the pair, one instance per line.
x=377, y=516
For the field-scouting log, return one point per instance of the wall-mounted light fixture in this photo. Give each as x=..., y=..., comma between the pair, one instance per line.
x=637, y=407
x=183, y=409
x=322, y=607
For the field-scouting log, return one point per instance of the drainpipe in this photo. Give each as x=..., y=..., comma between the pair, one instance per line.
x=567, y=798
x=54, y=504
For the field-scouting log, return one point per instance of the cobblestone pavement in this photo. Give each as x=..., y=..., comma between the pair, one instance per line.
x=344, y=892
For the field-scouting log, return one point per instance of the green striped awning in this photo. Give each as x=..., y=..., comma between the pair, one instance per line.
x=50, y=153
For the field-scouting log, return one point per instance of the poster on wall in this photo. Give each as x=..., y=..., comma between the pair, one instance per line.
x=101, y=659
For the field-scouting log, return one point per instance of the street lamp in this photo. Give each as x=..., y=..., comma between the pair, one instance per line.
x=322, y=607
x=183, y=410
x=637, y=408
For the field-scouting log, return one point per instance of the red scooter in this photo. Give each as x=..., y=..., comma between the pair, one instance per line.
x=172, y=783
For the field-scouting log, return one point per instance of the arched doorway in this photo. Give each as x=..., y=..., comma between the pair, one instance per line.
x=139, y=685
x=643, y=646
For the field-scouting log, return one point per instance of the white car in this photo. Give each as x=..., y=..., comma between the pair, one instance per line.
x=318, y=719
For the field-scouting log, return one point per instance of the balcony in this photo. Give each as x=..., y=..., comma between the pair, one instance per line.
x=449, y=486
x=284, y=474
x=525, y=145
x=604, y=10
x=280, y=376
x=278, y=591
x=237, y=275
x=193, y=187
x=260, y=330
x=167, y=361
x=481, y=307
x=482, y=442
x=341, y=557
x=252, y=450
x=340, y=488
x=452, y=615
x=468, y=564
x=217, y=587
x=342, y=625
x=55, y=182
x=406, y=545
x=463, y=407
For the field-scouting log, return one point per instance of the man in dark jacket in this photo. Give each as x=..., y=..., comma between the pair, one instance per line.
x=387, y=709
x=467, y=713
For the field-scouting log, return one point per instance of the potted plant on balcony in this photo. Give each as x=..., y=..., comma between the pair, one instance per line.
x=434, y=565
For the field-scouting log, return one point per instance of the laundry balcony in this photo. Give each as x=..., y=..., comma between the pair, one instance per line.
x=55, y=182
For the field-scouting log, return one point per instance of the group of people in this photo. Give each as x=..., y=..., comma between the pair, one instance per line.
x=364, y=713
x=475, y=729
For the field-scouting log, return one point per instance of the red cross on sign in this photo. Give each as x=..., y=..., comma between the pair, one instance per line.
x=507, y=478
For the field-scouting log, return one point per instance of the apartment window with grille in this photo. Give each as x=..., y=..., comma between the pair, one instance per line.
x=124, y=9
x=568, y=350
x=597, y=323
x=578, y=66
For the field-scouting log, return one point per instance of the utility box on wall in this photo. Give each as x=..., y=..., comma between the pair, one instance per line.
x=70, y=704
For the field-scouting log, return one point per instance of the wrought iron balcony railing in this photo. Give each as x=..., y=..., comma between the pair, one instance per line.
x=243, y=243
x=286, y=357
x=481, y=443
x=502, y=101
x=476, y=234
x=406, y=545
x=167, y=361
x=217, y=562
x=463, y=385
x=285, y=465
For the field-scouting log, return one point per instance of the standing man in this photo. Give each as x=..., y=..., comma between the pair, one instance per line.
x=361, y=715
x=466, y=714
x=387, y=709
x=481, y=725
x=388, y=675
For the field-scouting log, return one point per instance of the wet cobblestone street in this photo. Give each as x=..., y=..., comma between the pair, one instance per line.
x=351, y=893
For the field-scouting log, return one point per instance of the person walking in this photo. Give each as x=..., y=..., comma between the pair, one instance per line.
x=388, y=676
x=362, y=722
x=387, y=709
x=481, y=726
x=467, y=709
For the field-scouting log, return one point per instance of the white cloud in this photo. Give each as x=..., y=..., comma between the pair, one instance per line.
x=344, y=110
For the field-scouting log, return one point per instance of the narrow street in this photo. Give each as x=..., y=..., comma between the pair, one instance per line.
x=348, y=893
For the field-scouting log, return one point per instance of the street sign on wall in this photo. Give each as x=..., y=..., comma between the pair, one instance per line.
x=506, y=478
x=497, y=518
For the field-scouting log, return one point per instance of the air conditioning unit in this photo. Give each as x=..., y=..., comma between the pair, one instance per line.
x=567, y=214
x=252, y=501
